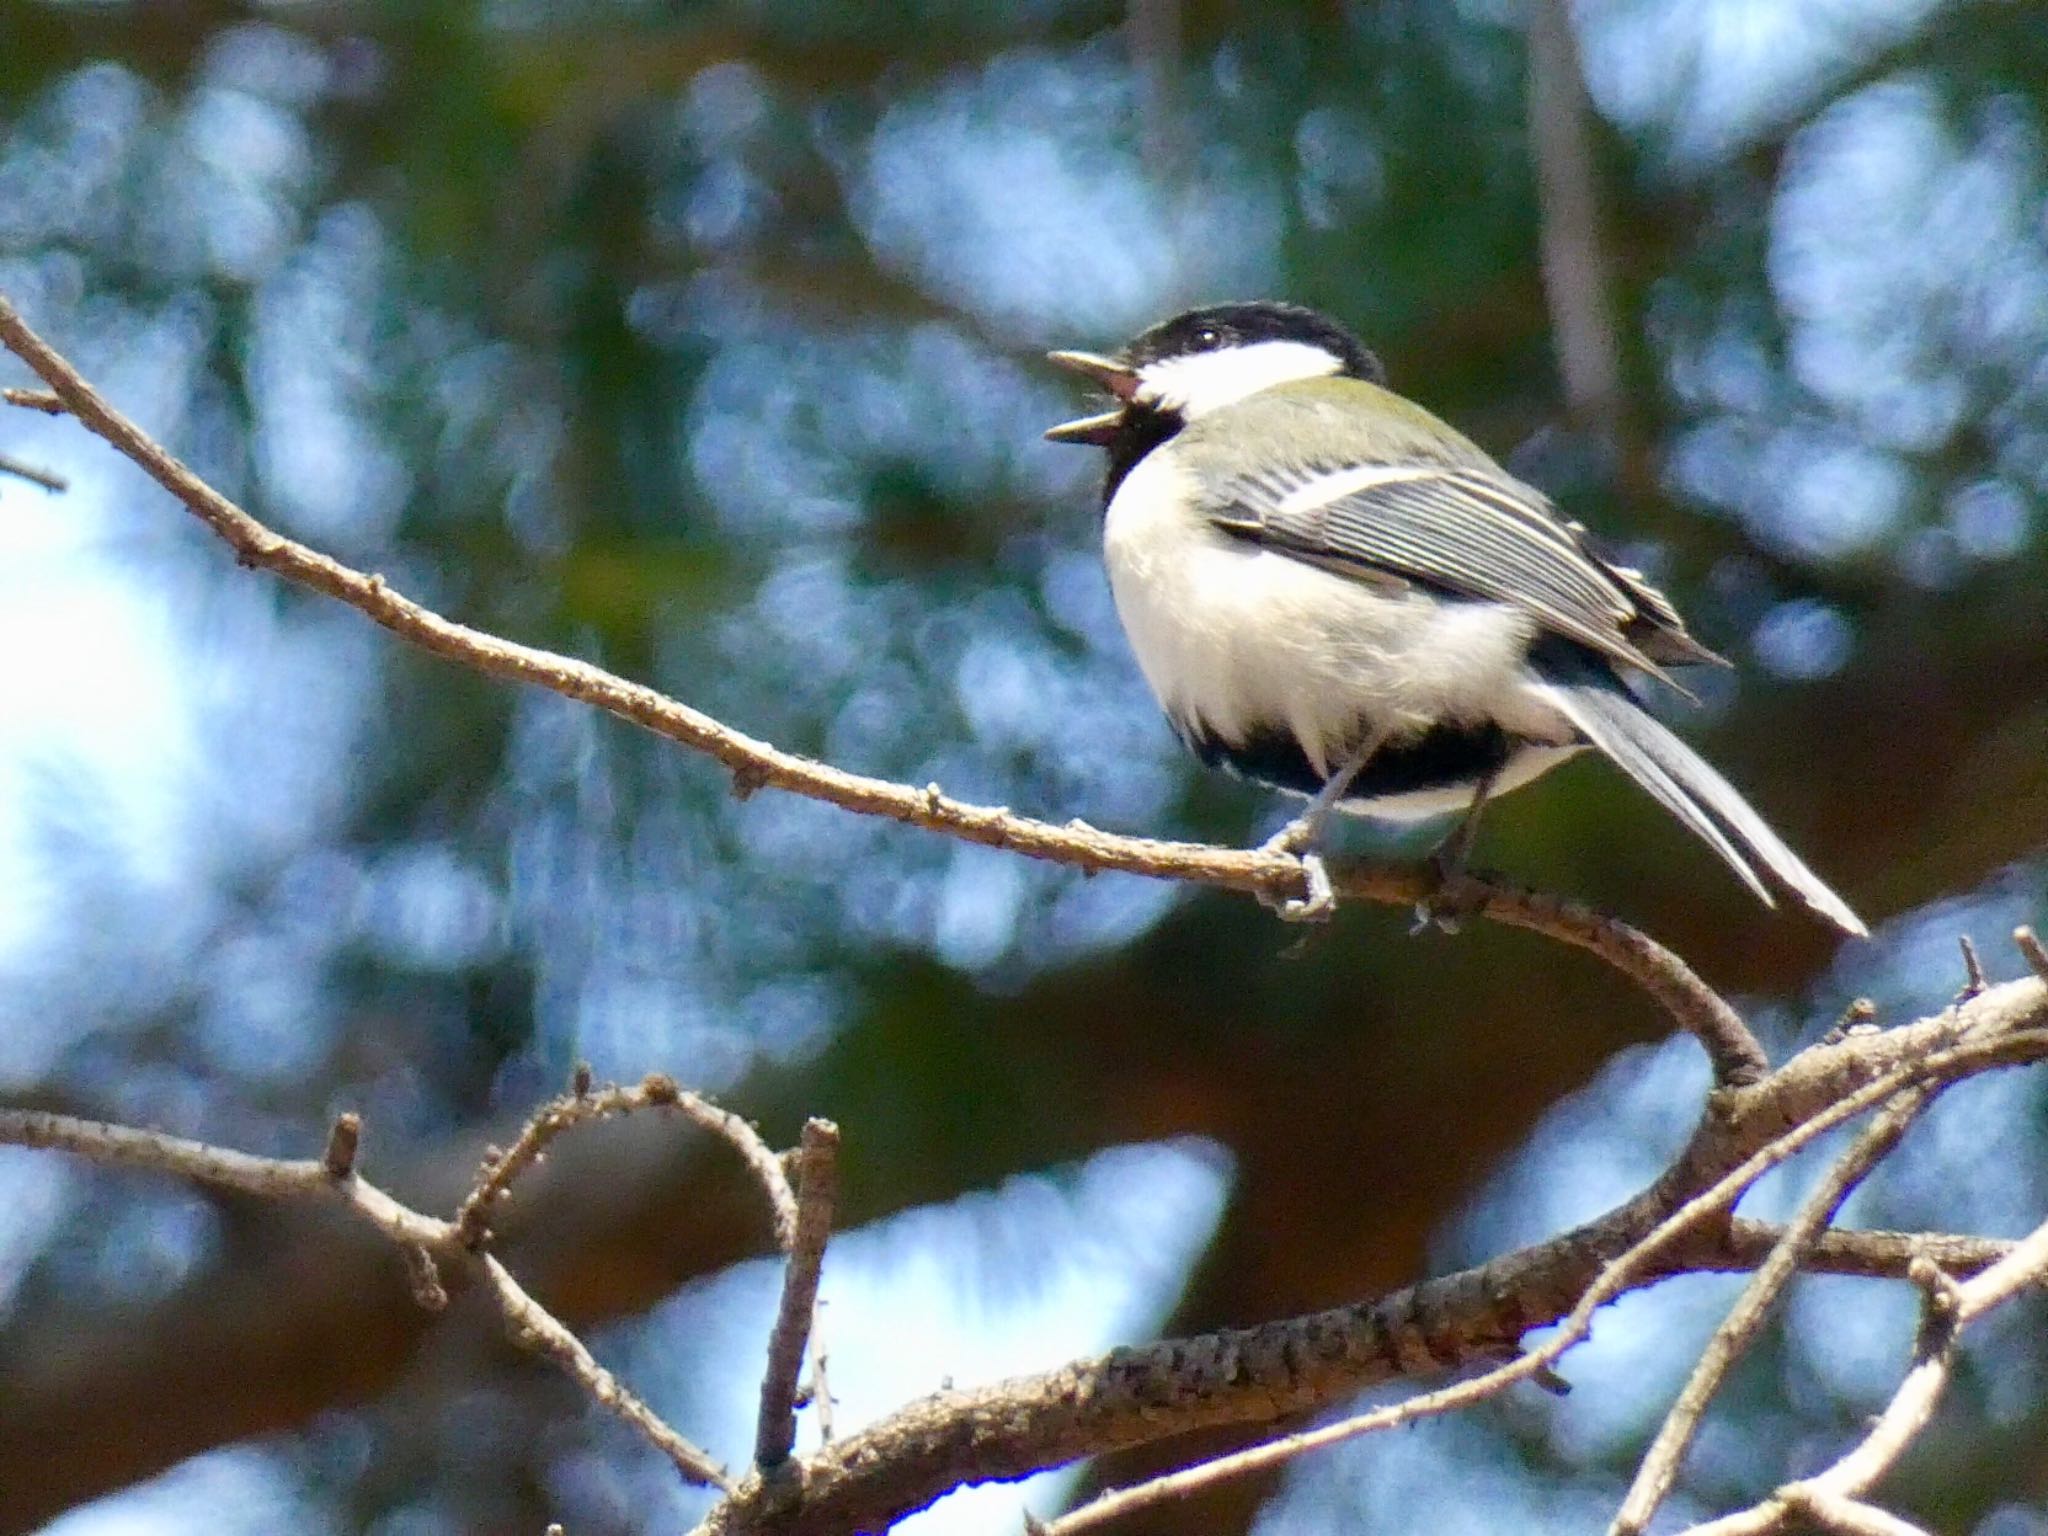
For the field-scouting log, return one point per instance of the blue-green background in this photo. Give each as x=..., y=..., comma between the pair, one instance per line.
x=705, y=342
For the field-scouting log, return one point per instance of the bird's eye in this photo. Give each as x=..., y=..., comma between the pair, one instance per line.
x=1208, y=338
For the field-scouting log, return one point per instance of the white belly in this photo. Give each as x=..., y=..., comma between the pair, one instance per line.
x=1236, y=638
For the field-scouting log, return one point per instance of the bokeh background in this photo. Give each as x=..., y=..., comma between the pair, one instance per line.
x=705, y=341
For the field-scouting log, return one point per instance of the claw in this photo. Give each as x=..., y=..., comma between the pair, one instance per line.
x=1316, y=907
x=1441, y=909
x=1429, y=915
x=1321, y=900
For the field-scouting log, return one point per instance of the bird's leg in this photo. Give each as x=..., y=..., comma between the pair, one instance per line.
x=1301, y=835
x=1449, y=857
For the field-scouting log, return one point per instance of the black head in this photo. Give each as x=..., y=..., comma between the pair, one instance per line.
x=1201, y=361
x=1220, y=327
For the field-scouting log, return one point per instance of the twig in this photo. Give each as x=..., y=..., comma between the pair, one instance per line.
x=1851, y=1517
x=754, y=1152
x=344, y=1140
x=817, y=1187
x=1142, y=1394
x=1974, y=980
x=33, y=400
x=818, y=1386
x=2032, y=951
x=535, y=1328
x=581, y=1105
x=424, y=1242
x=35, y=476
x=1693, y=1005
x=271, y=1178
x=1738, y=1331
x=1732, y=1051
x=1912, y=1405
x=1833, y=1497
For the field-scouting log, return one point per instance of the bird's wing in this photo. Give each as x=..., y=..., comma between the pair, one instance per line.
x=1462, y=528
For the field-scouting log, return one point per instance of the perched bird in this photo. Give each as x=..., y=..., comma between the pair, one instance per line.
x=1332, y=592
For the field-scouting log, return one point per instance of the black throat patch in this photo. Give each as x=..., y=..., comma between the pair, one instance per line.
x=1140, y=431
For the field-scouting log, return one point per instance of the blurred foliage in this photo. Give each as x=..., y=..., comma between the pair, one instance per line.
x=703, y=341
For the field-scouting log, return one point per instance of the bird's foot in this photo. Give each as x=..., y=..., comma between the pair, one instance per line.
x=1320, y=900
x=1454, y=899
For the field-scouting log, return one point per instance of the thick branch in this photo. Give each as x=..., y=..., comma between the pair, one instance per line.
x=1147, y=1393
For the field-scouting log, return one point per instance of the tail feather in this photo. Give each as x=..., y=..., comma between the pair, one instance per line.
x=1686, y=785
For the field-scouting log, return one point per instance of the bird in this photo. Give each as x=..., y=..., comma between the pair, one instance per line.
x=1332, y=592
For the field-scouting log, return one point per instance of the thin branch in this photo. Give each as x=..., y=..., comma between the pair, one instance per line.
x=1738, y=1331
x=754, y=1152
x=817, y=1190
x=535, y=1328
x=1913, y=1404
x=1694, y=1006
x=34, y=476
x=1833, y=1498
x=1974, y=979
x=1732, y=1051
x=582, y=1105
x=818, y=1387
x=33, y=400
x=1870, y=1255
x=271, y=1178
x=1633, y=1265
x=2020, y=1270
x=1851, y=1517
x=424, y=1242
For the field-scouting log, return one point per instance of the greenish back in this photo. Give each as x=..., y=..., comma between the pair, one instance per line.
x=1325, y=421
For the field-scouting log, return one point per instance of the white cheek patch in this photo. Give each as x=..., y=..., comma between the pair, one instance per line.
x=1207, y=381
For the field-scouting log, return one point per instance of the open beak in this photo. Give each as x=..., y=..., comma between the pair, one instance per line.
x=1118, y=379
